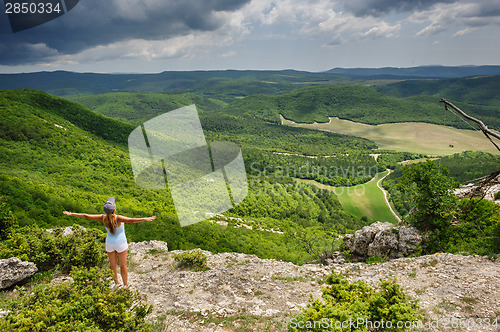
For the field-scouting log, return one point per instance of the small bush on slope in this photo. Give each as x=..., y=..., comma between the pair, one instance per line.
x=344, y=301
x=87, y=304
x=55, y=250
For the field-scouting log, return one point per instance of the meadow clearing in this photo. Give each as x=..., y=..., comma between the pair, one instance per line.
x=415, y=137
x=362, y=200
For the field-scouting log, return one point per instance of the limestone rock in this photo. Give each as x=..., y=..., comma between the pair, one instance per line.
x=13, y=270
x=238, y=284
x=409, y=240
x=382, y=239
x=336, y=258
x=4, y=313
x=66, y=231
x=486, y=187
x=384, y=244
x=145, y=246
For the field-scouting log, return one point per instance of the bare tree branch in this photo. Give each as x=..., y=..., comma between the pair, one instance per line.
x=481, y=125
x=480, y=189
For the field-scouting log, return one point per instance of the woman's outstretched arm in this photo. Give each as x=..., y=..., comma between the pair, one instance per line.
x=128, y=220
x=95, y=217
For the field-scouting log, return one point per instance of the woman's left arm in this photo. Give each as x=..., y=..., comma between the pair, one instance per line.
x=95, y=217
x=128, y=220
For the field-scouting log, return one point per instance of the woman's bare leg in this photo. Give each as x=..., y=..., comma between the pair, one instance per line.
x=112, y=265
x=122, y=260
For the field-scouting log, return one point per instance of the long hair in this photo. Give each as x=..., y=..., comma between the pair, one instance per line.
x=110, y=222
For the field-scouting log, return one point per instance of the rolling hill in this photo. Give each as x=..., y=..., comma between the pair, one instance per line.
x=473, y=90
x=136, y=108
x=56, y=155
x=225, y=85
x=418, y=72
x=355, y=103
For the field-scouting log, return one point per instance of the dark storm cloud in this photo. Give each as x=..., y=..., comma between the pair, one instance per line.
x=95, y=22
x=377, y=8
x=485, y=9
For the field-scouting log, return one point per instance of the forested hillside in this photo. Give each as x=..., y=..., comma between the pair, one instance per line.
x=462, y=167
x=58, y=155
x=480, y=90
x=360, y=104
x=54, y=157
x=227, y=85
x=137, y=108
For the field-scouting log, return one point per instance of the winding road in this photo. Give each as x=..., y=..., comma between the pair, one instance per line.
x=385, y=195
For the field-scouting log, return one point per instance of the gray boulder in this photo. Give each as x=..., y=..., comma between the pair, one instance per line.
x=382, y=239
x=409, y=240
x=384, y=244
x=13, y=270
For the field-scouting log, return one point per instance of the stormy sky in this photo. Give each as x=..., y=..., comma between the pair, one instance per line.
x=158, y=35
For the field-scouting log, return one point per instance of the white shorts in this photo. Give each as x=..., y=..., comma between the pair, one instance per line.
x=120, y=247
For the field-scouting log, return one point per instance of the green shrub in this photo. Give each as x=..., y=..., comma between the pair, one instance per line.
x=7, y=219
x=87, y=304
x=478, y=229
x=347, y=255
x=432, y=193
x=194, y=260
x=375, y=259
x=497, y=195
x=344, y=301
x=50, y=250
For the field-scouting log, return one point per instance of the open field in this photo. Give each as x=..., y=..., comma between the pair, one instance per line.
x=416, y=137
x=361, y=200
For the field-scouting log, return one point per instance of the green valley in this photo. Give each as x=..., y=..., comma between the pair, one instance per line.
x=50, y=163
x=58, y=155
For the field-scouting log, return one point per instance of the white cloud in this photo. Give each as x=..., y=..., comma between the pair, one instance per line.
x=431, y=29
x=324, y=19
x=383, y=30
x=467, y=14
x=464, y=32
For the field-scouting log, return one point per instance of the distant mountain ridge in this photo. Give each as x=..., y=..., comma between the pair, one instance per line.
x=418, y=72
x=226, y=85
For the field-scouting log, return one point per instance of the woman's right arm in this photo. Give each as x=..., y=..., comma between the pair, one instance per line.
x=95, y=217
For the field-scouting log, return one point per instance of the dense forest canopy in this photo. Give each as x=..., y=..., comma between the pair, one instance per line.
x=58, y=155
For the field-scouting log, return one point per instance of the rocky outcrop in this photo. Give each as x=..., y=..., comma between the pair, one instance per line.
x=244, y=292
x=382, y=239
x=66, y=231
x=447, y=286
x=145, y=247
x=13, y=271
x=235, y=285
x=241, y=285
x=486, y=187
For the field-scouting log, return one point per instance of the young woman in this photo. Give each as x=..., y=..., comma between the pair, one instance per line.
x=116, y=242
